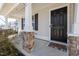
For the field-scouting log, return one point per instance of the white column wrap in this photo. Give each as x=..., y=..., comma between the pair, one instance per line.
x=28, y=18
x=76, y=22
x=19, y=26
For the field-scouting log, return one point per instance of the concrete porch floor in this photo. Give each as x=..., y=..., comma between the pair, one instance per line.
x=41, y=48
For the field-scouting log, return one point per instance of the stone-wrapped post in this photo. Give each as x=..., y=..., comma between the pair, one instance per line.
x=72, y=45
x=29, y=41
x=28, y=29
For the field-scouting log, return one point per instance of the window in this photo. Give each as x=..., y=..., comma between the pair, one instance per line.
x=35, y=22
x=23, y=23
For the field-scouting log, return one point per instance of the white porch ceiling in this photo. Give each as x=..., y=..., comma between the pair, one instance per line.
x=6, y=7
x=18, y=12
x=11, y=10
x=1, y=5
x=14, y=10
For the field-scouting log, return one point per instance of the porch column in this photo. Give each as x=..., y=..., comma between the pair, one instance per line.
x=73, y=39
x=28, y=29
x=6, y=22
x=72, y=45
x=19, y=26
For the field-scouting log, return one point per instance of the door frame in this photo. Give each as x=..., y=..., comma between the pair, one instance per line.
x=64, y=5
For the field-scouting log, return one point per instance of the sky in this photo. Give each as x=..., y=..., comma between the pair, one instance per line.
x=2, y=20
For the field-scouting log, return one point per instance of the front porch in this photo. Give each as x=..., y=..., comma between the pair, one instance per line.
x=41, y=48
x=35, y=28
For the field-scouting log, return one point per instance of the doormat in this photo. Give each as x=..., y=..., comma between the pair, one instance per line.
x=58, y=46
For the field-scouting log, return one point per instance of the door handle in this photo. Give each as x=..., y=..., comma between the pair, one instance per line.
x=51, y=25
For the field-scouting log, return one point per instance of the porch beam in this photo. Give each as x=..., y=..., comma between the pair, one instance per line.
x=13, y=7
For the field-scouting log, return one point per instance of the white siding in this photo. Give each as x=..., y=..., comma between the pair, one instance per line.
x=44, y=19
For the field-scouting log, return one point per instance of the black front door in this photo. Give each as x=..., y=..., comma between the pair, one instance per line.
x=59, y=25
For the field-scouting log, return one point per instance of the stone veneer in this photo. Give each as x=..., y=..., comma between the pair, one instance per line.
x=72, y=45
x=28, y=41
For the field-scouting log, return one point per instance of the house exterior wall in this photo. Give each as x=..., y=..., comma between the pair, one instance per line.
x=44, y=18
